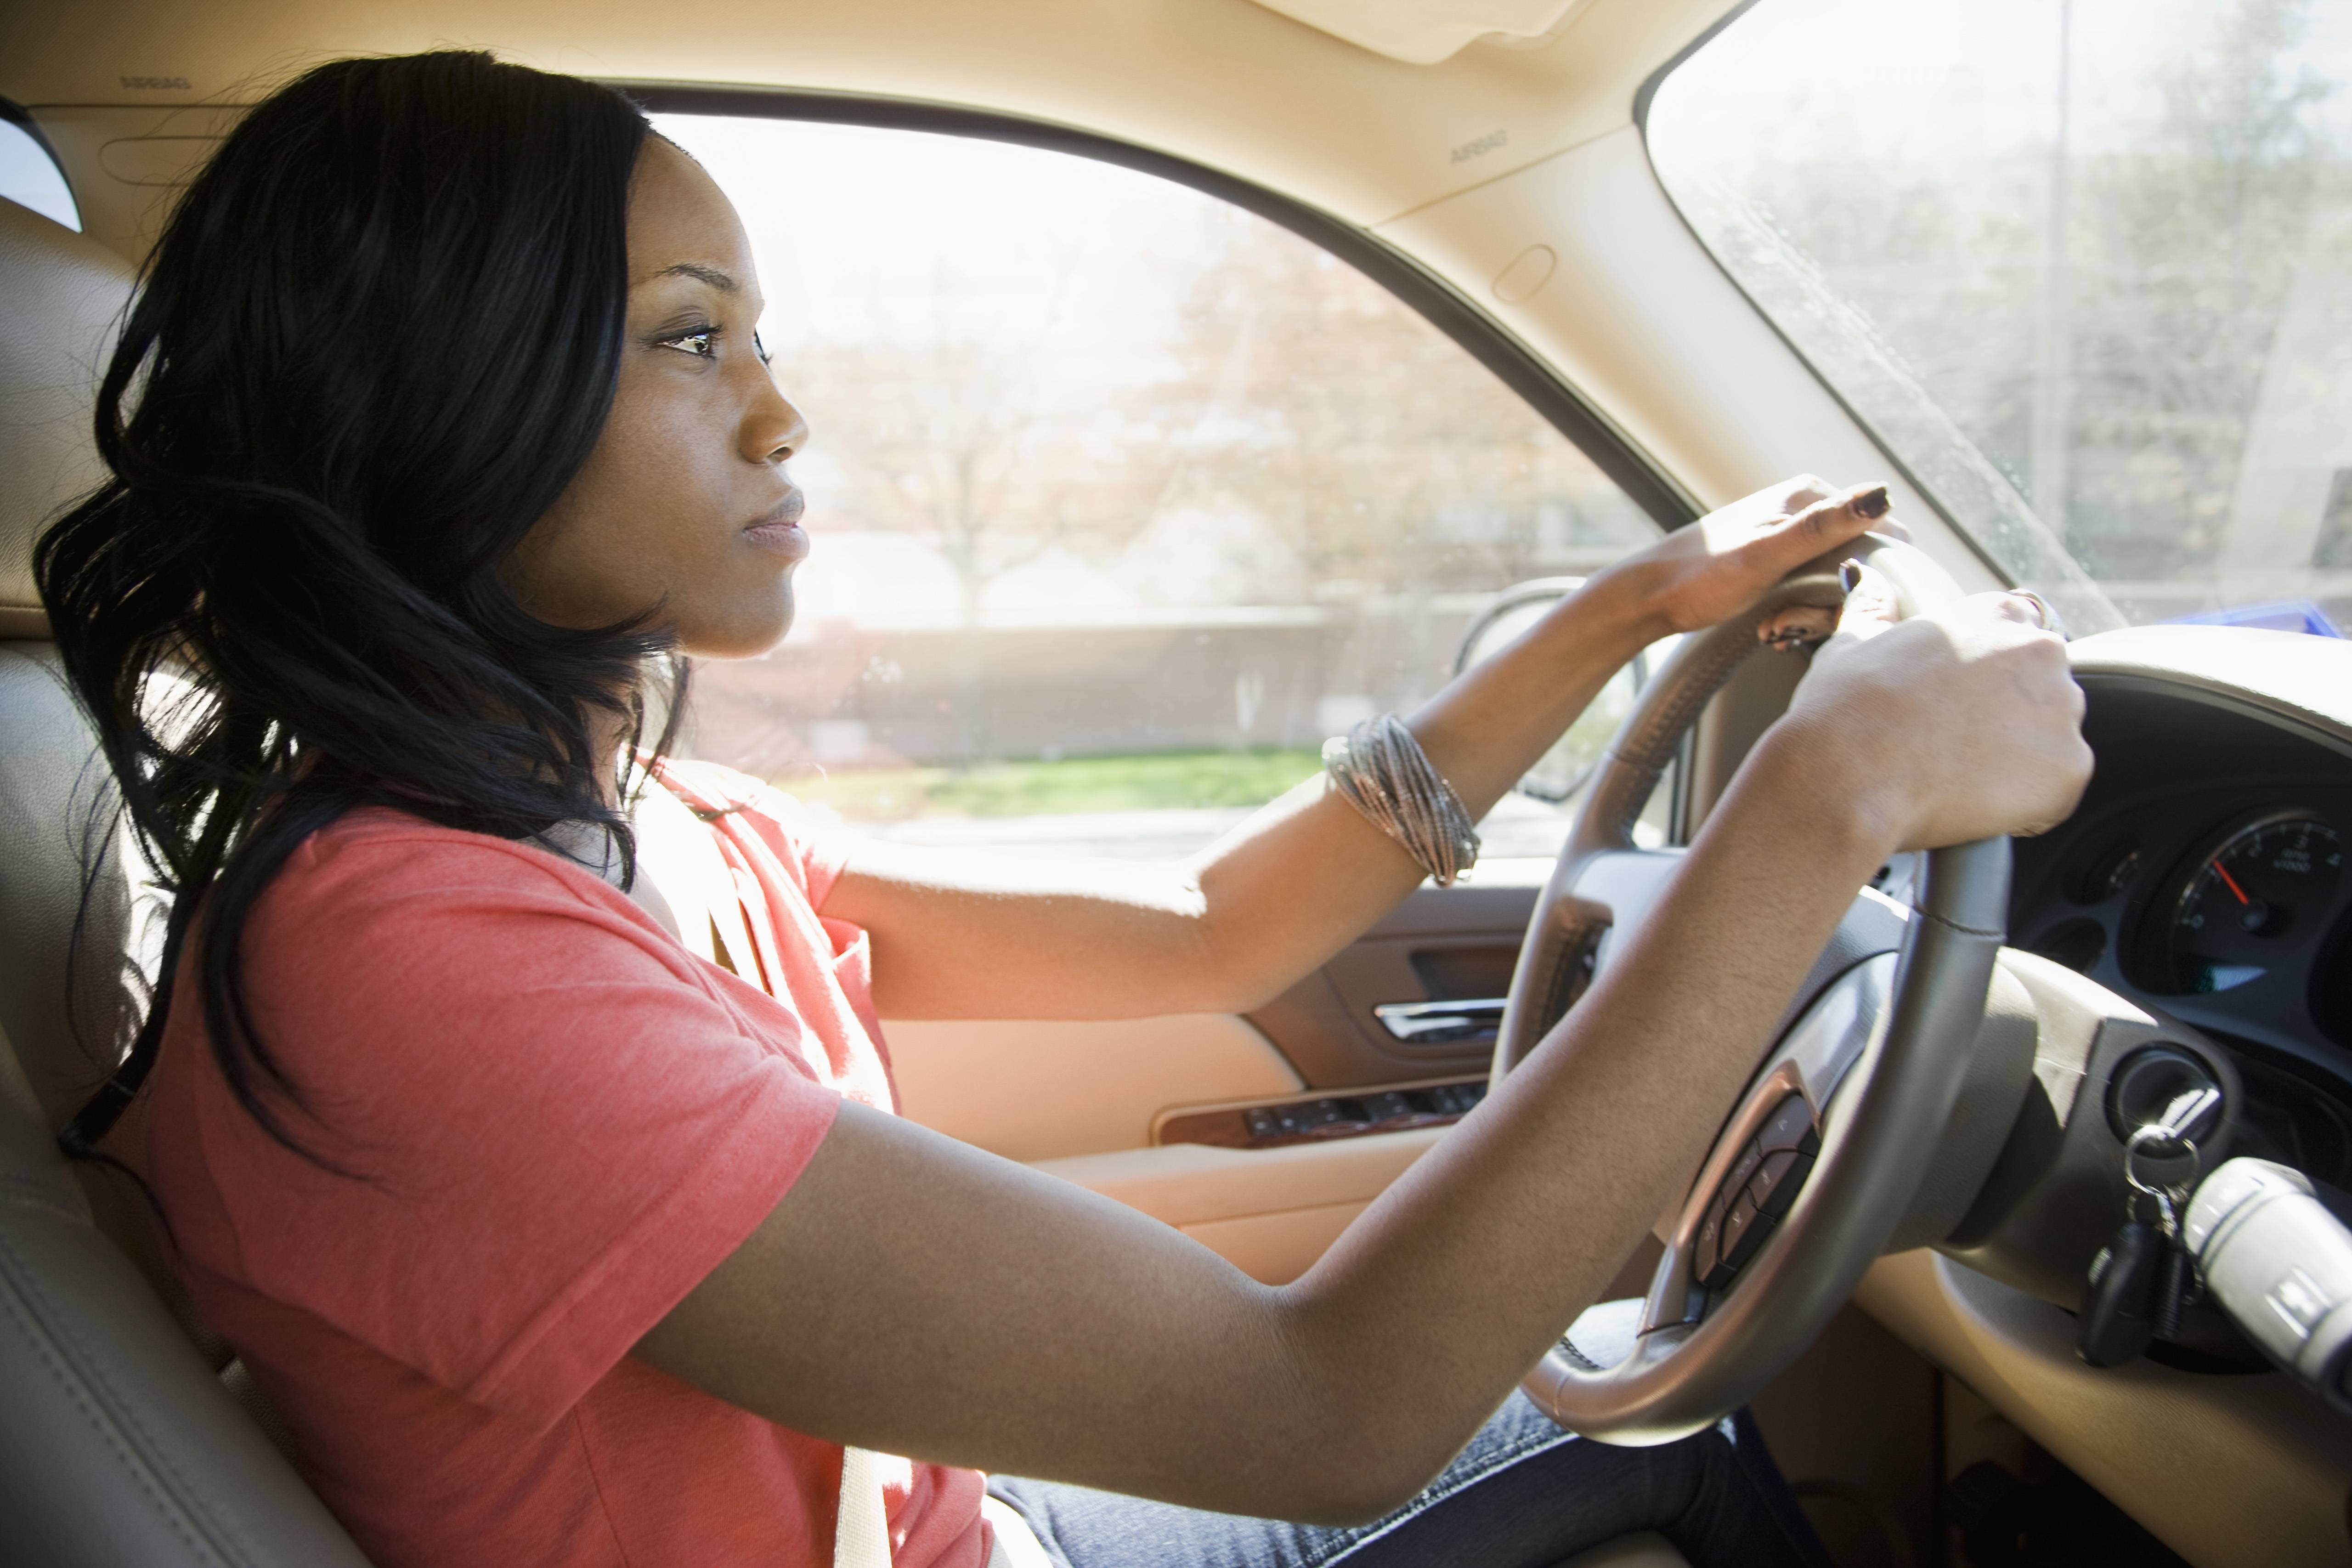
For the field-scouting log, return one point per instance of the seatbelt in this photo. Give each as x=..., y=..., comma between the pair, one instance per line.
x=861, y=1529
x=861, y=1526
x=1016, y=1544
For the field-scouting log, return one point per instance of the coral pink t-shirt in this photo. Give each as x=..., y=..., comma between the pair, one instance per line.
x=558, y=1121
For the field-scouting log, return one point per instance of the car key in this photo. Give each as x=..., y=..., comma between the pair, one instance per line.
x=2176, y=1274
x=2172, y=1128
x=2177, y=1282
x=2143, y=1277
x=2120, y=1298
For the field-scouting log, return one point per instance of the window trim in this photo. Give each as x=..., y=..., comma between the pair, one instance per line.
x=1436, y=301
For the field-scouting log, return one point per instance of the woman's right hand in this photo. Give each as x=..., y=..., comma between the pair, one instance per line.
x=1946, y=728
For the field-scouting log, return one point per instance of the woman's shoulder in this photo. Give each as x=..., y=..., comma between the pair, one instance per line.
x=381, y=921
x=378, y=849
x=377, y=879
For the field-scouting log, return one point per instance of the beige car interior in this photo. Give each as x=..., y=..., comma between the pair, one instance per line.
x=1491, y=142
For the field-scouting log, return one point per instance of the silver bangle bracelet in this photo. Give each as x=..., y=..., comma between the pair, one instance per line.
x=1378, y=768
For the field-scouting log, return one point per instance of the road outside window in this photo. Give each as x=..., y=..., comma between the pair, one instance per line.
x=1123, y=498
x=2081, y=264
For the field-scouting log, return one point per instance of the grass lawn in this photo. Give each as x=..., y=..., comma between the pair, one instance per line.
x=1136, y=781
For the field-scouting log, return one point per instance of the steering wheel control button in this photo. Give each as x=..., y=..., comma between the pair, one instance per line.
x=1707, y=1248
x=1791, y=1126
x=1756, y=1191
x=1742, y=1168
x=1774, y=1186
x=1744, y=1230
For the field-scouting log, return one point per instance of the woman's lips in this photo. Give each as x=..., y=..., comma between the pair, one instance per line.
x=779, y=530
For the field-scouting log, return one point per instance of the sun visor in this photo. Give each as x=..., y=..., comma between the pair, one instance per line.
x=1424, y=32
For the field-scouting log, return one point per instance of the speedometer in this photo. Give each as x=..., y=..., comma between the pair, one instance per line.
x=2262, y=891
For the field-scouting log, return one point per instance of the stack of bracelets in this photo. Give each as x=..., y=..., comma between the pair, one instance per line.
x=1380, y=770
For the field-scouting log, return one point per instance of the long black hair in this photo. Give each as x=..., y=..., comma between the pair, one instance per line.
x=377, y=339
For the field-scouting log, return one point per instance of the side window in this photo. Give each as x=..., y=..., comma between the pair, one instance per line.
x=29, y=175
x=1123, y=498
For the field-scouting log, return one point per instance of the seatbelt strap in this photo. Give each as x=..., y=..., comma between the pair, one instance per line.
x=1016, y=1544
x=861, y=1526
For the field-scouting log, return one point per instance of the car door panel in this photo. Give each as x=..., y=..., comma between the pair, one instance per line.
x=1037, y=1091
x=1085, y=1100
x=1269, y=1212
x=1043, y=1090
x=1454, y=943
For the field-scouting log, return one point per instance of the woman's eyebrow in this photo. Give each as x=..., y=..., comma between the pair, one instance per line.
x=721, y=282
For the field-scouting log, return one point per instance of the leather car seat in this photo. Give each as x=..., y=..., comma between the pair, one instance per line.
x=120, y=1448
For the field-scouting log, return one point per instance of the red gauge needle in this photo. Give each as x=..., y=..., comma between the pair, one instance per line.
x=2223, y=872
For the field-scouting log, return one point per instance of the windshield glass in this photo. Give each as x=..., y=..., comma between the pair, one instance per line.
x=2085, y=267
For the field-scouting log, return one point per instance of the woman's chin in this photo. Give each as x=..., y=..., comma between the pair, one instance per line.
x=744, y=636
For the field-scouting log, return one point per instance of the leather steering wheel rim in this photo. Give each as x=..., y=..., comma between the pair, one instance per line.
x=1697, y=1353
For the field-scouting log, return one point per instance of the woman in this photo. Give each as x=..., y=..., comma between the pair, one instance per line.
x=440, y=419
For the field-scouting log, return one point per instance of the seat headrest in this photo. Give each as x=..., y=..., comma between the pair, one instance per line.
x=61, y=301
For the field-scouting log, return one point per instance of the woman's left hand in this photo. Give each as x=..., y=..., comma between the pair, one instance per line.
x=1717, y=566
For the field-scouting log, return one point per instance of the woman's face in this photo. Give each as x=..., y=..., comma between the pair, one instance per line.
x=683, y=511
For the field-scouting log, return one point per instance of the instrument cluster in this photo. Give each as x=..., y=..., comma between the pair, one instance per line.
x=2213, y=906
x=2203, y=877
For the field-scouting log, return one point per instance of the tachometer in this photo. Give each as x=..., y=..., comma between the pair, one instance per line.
x=2264, y=889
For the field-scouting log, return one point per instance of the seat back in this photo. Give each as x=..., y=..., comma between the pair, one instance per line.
x=59, y=295
x=119, y=1446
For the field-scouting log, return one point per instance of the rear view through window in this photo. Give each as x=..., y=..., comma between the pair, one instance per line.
x=2084, y=265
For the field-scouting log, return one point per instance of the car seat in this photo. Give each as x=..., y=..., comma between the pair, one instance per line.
x=120, y=1445
x=126, y=1437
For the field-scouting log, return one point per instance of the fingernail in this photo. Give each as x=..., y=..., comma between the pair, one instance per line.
x=1850, y=572
x=1870, y=503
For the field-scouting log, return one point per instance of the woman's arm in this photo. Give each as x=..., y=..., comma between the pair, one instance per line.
x=993, y=935
x=917, y=1296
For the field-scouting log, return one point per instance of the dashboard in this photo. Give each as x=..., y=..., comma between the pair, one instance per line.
x=2203, y=878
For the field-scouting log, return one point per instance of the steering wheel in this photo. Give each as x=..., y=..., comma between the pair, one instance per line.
x=1821, y=1156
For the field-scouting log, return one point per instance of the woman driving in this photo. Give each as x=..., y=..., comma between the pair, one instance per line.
x=514, y=1096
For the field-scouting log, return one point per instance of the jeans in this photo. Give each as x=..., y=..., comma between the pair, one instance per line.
x=1524, y=1494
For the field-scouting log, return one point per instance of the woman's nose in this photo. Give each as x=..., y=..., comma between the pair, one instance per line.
x=777, y=438
x=774, y=430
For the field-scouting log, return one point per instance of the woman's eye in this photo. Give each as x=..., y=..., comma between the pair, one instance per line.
x=760, y=349
x=702, y=343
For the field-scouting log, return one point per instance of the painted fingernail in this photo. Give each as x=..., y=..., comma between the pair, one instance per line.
x=1850, y=574
x=1870, y=503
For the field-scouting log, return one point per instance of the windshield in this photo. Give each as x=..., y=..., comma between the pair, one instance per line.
x=2084, y=268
